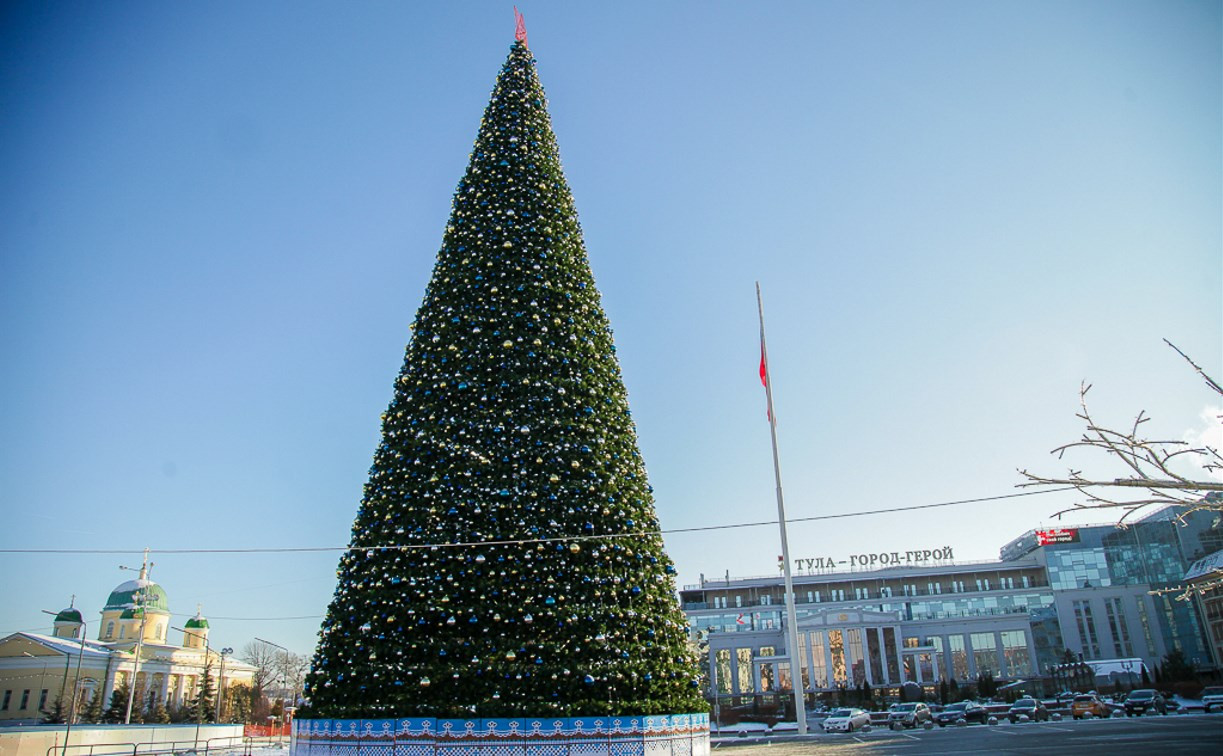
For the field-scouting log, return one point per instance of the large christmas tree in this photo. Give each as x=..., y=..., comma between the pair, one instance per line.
x=505, y=560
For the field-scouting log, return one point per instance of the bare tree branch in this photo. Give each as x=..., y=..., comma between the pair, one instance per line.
x=1209, y=381
x=1148, y=464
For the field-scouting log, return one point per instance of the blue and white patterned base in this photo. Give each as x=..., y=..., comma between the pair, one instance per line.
x=670, y=735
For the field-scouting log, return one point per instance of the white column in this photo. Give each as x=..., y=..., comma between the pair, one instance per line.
x=883, y=656
x=849, y=657
x=896, y=637
x=108, y=686
x=866, y=654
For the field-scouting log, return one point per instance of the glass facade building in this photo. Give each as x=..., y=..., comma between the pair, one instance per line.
x=1088, y=591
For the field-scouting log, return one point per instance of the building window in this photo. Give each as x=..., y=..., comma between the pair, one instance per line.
x=1027, y=582
x=1015, y=654
x=42, y=699
x=804, y=662
x=747, y=684
x=836, y=649
x=983, y=584
x=854, y=658
x=1087, y=629
x=886, y=591
x=819, y=669
x=122, y=631
x=1117, y=626
x=934, y=588
x=8, y=697
x=766, y=600
x=861, y=593
x=1146, y=624
x=1083, y=568
x=959, y=657
x=25, y=698
x=722, y=667
x=984, y=652
x=891, y=653
x=874, y=650
x=738, y=601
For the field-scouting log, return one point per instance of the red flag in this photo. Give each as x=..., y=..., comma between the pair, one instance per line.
x=764, y=374
x=520, y=27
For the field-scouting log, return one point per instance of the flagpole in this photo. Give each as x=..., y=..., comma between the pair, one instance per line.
x=796, y=673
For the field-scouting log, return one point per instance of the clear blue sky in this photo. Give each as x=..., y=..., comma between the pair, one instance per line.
x=217, y=221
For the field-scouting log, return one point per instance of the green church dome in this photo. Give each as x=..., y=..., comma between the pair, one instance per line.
x=70, y=615
x=124, y=597
x=197, y=623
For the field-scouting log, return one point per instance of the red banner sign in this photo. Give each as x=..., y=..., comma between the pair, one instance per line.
x=1057, y=535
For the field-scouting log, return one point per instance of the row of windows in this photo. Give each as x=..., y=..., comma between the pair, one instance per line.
x=863, y=592
x=159, y=631
x=852, y=656
x=25, y=700
x=925, y=609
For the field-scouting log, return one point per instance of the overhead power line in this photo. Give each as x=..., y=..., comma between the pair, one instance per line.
x=558, y=539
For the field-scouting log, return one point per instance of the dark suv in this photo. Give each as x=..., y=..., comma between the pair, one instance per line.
x=1141, y=701
x=967, y=710
x=1030, y=708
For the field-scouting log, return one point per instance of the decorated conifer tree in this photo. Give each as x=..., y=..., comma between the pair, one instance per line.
x=506, y=560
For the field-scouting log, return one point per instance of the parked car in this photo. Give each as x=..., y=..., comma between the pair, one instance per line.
x=1030, y=708
x=1089, y=705
x=846, y=720
x=909, y=714
x=1139, y=702
x=1212, y=697
x=966, y=710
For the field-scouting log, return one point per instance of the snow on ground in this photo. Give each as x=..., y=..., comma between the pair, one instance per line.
x=256, y=749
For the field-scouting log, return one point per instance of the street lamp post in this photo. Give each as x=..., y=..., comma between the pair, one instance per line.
x=199, y=713
x=75, y=683
x=284, y=677
x=140, y=601
x=221, y=681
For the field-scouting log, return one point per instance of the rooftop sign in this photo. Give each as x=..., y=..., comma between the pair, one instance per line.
x=878, y=559
x=1051, y=536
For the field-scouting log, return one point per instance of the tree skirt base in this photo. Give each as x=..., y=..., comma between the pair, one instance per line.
x=674, y=735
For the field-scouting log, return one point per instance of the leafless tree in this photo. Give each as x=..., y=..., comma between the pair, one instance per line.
x=292, y=669
x=264, y=659
x=1148, y=476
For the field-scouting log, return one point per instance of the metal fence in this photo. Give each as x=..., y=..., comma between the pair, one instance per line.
x=175, y=747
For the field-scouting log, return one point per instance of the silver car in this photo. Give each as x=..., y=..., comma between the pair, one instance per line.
x=909, y=714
